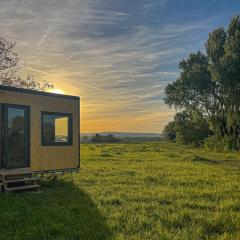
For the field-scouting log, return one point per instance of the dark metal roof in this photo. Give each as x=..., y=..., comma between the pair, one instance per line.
x=35, y=92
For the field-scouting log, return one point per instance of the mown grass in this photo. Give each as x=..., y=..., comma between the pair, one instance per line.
x=133, y=191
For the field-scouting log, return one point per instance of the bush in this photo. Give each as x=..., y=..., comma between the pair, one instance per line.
x=217, y=143
x=213, y=143
x=170, y=130
x=188, y=127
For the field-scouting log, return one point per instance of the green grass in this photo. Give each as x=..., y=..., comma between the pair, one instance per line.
x=133, y=191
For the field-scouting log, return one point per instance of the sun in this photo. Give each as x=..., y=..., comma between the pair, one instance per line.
x=56, y=91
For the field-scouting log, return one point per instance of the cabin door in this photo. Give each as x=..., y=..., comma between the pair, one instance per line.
x=15, y=133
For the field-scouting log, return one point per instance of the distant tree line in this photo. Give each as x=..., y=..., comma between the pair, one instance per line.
x=104, y=139
x=207, y=93
x=110, y=138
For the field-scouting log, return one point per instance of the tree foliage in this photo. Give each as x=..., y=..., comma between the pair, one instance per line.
x=209, y=83
x=170, y=130
x=188, y=128
x=104, y=138
x=10, y=65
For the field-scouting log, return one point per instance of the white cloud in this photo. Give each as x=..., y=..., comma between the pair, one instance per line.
x=118, y=55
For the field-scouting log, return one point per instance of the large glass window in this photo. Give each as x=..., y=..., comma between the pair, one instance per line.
x=56, y=129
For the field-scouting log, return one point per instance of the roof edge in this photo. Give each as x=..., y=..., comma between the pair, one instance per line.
x=36, y=92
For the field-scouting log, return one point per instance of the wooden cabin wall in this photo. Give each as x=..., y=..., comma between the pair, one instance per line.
x=47, y=157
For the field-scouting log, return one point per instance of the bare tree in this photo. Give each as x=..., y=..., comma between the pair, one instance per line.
x=11, y=64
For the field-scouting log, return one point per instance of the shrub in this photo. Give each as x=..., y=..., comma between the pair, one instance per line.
x=227, y=143
x=189, y=127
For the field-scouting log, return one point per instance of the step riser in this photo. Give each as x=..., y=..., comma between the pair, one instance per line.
x=6, y=181
x=15, y=180
x=29, y=187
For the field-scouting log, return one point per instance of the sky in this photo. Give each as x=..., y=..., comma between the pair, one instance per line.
x=118, y=56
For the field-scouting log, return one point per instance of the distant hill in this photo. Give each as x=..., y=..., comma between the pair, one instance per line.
x=125, y=134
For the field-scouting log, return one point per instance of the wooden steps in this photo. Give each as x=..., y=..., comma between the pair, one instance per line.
x=15, y=172
x=27, y=187
x=20, y=180
x=15, y=180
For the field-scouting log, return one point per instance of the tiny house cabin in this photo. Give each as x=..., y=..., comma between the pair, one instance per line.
x=39, y=130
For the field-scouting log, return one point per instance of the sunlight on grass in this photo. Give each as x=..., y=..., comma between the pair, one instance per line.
x=133, y=191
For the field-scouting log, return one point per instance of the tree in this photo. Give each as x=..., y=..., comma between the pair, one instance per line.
x=170, y=130
x=188, y=128
x=97, y=138
x=10, y=65
x=209, y=83
x=85, y=139
x=102, y=138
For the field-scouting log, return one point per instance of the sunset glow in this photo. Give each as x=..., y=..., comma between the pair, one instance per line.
x=56, y=91
x=117, y=57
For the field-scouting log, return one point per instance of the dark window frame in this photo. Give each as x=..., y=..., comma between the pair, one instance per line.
x=70, y=129
x=4, y=107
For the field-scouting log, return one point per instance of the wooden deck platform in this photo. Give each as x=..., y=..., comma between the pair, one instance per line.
x=12, y=180
x=18, y=171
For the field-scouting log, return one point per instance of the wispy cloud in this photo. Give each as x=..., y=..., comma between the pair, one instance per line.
x=117, y=55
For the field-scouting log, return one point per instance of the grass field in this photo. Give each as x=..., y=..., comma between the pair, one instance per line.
x=132, y=191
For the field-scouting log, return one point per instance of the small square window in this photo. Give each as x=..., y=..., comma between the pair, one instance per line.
x=56, y=129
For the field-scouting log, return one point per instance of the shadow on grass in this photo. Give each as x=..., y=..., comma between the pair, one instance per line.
x=231, y=163
x=61, y=211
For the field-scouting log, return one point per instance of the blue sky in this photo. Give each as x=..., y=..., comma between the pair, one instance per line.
x=117, y=55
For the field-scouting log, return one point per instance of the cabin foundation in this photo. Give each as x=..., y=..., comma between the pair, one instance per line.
x=15, y=180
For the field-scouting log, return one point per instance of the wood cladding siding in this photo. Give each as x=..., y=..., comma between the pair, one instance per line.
x=44, y=158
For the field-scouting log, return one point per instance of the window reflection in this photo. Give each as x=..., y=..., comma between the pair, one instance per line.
x=15, y=137
x=56, y=128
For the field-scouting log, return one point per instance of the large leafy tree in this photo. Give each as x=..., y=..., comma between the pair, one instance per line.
x=209, y=83
x=10, y=65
